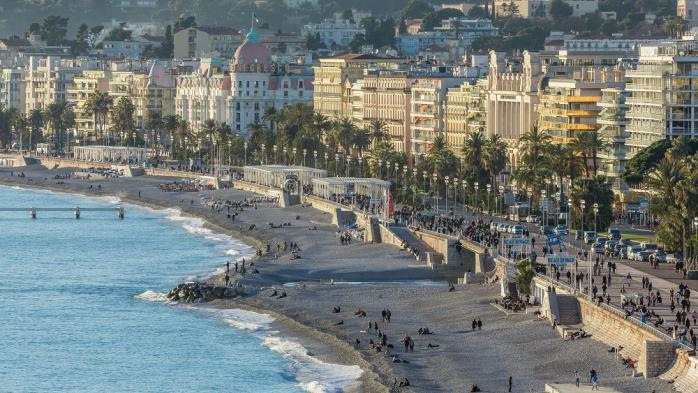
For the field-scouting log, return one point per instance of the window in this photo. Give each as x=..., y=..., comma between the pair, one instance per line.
x=237, y=117
x=300, y=84
x=285, y=93
x=240, y=84
x=248, y=84
x=256, y=84
x=237, y=106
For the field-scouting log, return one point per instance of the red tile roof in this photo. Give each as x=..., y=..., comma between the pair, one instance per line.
x=15, y=42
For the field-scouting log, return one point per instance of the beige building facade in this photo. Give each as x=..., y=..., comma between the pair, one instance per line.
x=206, y=41
x=387, y=98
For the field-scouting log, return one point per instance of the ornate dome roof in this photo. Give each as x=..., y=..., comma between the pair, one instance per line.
x=252, y=55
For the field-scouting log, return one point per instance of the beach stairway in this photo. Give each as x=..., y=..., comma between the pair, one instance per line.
x=570, y=313
x=424, y=250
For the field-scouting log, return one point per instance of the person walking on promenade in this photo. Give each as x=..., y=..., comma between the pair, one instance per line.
x=479, y=324
x=510, y=383
x=388, y=314
x=576, y=378
x=474, y=324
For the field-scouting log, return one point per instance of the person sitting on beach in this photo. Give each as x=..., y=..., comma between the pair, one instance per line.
x=475, y=388
x=335, y=309
x=430, y=345
x=360, y=313
x=283, y=295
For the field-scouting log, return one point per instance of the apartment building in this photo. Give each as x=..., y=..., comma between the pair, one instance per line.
x=387, y=97
x=84, y=84
x=334, y=32
x=334, y=76
x=12, y=88
x=47, y=79
x=428, y=109
x=662, y=94
x=206, y=41
x=465, y=113
x=539, y=8
x=688, y=10
x=512, y=94
x=613, y=122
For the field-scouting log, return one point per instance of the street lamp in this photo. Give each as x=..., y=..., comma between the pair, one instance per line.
x=315, y=159
x=387, y=170
x=295, y=155
x=596, y=212
x=500, y=200
x=582, y=205
x=569, y=215
x=414, y=194
x=305, y=153
x=264, y=155
x=544, y=206
x=380, y=169
x=336, y=163
x=245, y=152
x=361, y=167
x=397, y=170
x=347, y=171
x=285, y=155
x=446, y=178
x=489, y=189
x=476, y=185
x=325, y=162
x=274, y=149
x=464, y=185
x=436, y=194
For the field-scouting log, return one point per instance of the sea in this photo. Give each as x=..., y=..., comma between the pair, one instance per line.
x=83, y=307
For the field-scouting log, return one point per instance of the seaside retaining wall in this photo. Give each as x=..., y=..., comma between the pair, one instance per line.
x=653, y=354
x=258, y=189
x=683, y=373
x=388, y=237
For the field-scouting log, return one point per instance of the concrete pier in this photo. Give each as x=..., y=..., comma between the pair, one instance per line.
x=77, y=211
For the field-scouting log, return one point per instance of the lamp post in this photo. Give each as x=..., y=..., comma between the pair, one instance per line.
x=325, y=163
x=361, y=167
x=476, y=185
x=446, y=178
x=305, y=153
x=245, y=152
x=500, y=200
x=295, y=156
x=285, y=150
x=558, y=198
x=274, y=147
x=464, y=185
x=387, y=170
x=336, y=163
x=315, y=159
x=596, y=212
x=347, y=170
x=380, y=169
x=544, y=207
x=569, y=215
x=404, y=178
x=414, y=194
x=693, y=251
x=436, y=194
x=489, y=197
x=264, y=154
x=582, y=205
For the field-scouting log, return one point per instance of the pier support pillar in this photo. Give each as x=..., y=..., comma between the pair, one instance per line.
x=120, y=213
x=32, y=214
x=77, y=213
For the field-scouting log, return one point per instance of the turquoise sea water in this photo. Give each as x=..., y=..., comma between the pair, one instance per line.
x=82, y=308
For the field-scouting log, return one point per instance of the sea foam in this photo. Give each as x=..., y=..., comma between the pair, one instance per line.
x=313, y=375
x=152, y=296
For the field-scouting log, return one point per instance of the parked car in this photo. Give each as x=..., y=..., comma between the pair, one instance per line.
x=501, y=227
x=674, y=258
x=625, y=242
x=642, y=256
x=632, y=250
x=546, y=230
x=561, y=230
x=493, y=226
x=578, y=235
x=610, y=245
x=601, y=240
x=623, y=252
x=648, y=246
x=598, y=248
x=658, y=256
x=614, y=233
x=532, y=219
x=517, y=230
x=618, y=250
x=589, y=237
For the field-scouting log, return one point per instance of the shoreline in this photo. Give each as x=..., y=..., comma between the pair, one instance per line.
x=328, y=275
x=323, y=346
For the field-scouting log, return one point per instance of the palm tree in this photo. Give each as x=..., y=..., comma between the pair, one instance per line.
x=20, y=123
x=183, y=136
x=272, y=116
x=170, y=124
x=123, y=120
x=588, y=144
x=378, y=129
x=98, y=105
x=362, y=140
x=57, y=117
x=495, y=157
x=321, y=126
x=534, y=167
x=36, y=122
x=473, y=152
x=344, y=132
x=153, y=123
x=208, y=133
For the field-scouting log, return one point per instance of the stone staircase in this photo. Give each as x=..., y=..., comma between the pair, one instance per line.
x=684, y=373
x=569, y=311
x=405, y=235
